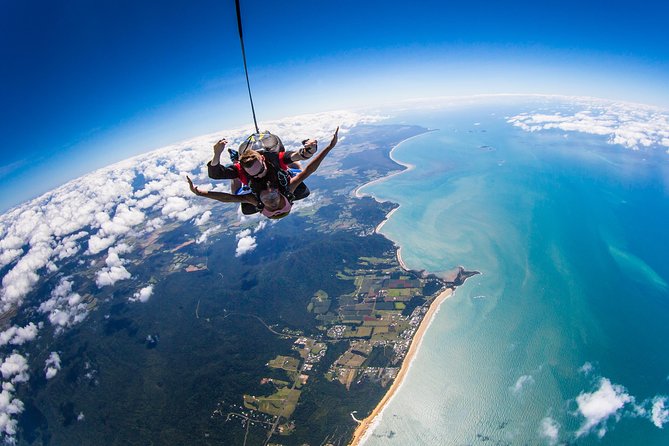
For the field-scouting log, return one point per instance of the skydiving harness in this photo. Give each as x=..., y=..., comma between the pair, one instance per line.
x=283, y=174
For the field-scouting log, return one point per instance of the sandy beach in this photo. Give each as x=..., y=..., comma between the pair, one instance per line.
x=364, y=426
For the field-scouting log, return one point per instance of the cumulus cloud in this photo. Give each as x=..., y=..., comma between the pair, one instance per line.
x=99, y=243
x=64, y=306
x=522, y=383
x=179, y=208
x=659, y=411
x=143, y=295
x=630, y=125
x=18, y=335
x=202, y=238
x=15, y=368
x=550, y=430
x=245, y=243
x=261, y=225
x=202, y=219
x=52, y=365
x=22, y=277
x=598, y=406
x=10, y=407
x=114, y=271
x=586, y=368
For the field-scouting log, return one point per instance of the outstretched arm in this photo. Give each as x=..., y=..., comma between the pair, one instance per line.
x=222, y=196
x=313, y=165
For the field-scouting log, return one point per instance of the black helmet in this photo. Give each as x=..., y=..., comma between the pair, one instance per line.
x=262, y=142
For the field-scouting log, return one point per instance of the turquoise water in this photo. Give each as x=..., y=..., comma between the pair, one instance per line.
x=569, y=233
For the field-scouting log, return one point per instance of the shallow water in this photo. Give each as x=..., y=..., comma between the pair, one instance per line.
x=568, y=232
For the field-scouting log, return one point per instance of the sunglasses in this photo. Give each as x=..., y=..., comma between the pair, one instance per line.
x=260, y=171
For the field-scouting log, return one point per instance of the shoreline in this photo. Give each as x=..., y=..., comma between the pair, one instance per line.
x=366, y=427
x=407, y=167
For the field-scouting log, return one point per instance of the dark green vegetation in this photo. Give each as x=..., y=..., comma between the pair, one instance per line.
x=174, y=370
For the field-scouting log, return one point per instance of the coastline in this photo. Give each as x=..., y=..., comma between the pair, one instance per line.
x=407, y=167
x=366, y=426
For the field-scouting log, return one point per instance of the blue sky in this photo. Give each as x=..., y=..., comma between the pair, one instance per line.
x=86, y=83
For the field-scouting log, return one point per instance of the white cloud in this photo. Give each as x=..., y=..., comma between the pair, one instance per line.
x=550, y=429
x=15, y=368
x=630, y=125
x=586, y=368
x=9, y=408
x=660, y=412
x=522, y=383
x=22, y=277
x=97, y=244
x=64, y=306
x=52, y=365
x=202, y=219
x=261, y=225
x=18, y=335
x=68, y=247
x=245, y=245
x=597, y=407
x=114, y=271
x=143, y=294
x=111, y=275
x=93, y=213
x=246, y=242
x=179, y=208
x=205, y=235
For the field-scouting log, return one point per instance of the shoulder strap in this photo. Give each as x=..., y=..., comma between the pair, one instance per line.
x=282, y=161
x=241, y=174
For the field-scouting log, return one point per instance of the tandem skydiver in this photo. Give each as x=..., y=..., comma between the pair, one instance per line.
x=267, y=144
x=272, y=188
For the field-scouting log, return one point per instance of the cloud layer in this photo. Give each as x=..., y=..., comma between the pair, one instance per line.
x=630, y=125
x=95, y=223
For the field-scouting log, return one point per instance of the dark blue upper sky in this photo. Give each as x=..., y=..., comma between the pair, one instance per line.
x=84, y=83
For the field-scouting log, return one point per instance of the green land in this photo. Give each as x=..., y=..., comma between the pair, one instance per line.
x=278, y=346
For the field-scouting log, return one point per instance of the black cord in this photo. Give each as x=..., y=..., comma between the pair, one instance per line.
x=246, y=71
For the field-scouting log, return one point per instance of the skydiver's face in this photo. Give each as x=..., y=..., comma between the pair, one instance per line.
x=257, y=169
x=271, y=199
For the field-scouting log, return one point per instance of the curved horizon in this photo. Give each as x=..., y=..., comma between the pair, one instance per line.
x=90, y=85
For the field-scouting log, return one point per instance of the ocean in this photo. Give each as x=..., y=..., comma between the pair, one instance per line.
x=562, y=338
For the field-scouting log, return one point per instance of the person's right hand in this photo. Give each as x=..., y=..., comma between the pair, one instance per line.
x=220, y=146
x=193, y=188
x=334, y=140
x=311, y=145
